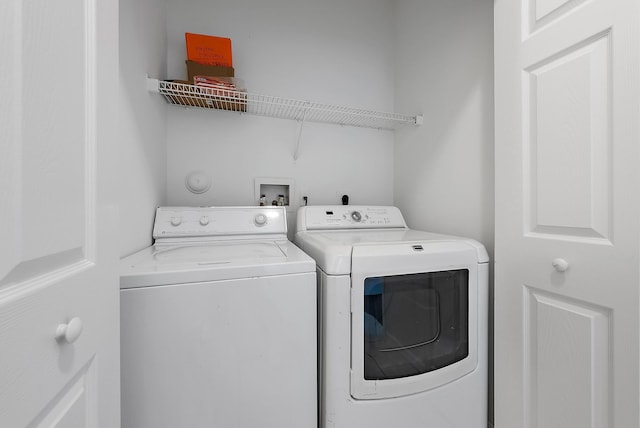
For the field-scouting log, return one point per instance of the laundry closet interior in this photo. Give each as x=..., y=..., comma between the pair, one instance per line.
x=428, y=58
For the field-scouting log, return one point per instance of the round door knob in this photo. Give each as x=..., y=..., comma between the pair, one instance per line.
x=560, y=265
x=69, y=332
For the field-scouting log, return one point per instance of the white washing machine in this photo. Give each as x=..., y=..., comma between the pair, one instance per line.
x=403, y=321
x=218, y=324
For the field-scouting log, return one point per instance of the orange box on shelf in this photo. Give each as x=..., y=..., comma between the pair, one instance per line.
x=209, y=50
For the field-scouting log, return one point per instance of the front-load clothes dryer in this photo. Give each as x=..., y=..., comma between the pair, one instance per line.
x=218, y=323
x=403, y=320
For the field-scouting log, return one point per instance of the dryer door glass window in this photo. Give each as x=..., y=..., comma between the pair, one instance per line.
x=415, y=323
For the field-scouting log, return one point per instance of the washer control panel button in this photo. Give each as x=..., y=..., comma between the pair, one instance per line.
x=260, y=219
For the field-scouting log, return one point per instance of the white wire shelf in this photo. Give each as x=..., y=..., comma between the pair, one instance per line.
x=285, y=108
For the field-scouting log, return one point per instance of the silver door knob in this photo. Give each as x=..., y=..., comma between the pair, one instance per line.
x=70, y=332
x=560, y=265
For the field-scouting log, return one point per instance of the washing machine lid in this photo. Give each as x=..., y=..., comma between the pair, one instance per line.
x=187, y=262
x=196, y=244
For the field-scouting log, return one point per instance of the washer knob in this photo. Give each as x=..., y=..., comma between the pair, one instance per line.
x=356, y=216
x=176, y=221
x=260, y=219
x=204, y=220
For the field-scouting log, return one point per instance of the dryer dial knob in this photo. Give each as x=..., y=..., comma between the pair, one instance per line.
x=260, y=219
x=204, y=220
x=176, y=221
x=356, y=216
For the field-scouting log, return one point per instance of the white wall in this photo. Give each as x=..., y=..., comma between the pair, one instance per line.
x=328, y=51
x=444, y=68
x=142, y=121
x=411, y=56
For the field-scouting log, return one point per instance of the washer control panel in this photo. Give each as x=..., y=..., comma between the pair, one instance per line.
x=185, y=222
x=349, y=217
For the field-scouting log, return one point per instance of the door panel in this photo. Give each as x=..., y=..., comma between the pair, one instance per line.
x=566, y=115
x=49, y=146
x=74, y=405
x=567, y=348
x=542, y=12
x=567, y=214
x=54, y=123
x=58, y=257
x=545, y=7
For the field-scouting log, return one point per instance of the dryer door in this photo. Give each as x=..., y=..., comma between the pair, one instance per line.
x=414, y=317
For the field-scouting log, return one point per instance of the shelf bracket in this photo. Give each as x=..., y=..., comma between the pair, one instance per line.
x=304, y=117
x=153, y=85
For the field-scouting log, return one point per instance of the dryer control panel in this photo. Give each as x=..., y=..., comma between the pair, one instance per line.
x=188, y=222
x=336, y=217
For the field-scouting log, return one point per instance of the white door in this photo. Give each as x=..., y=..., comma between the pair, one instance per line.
x=567, y=81
x=58, y=256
